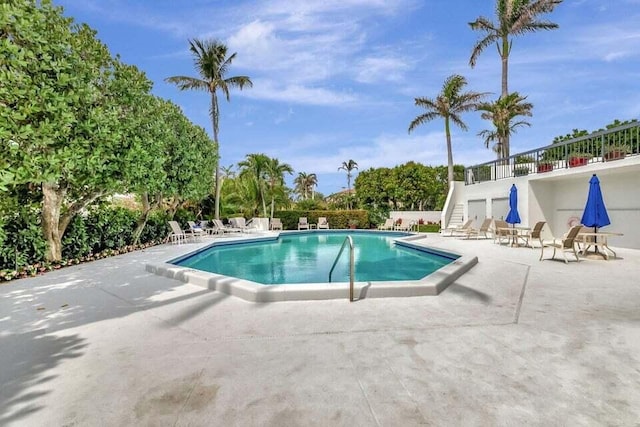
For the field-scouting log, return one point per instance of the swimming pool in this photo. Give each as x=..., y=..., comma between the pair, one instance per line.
x=308, y=258
x=250, y=290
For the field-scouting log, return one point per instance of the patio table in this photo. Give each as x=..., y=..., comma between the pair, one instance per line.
x=597, y=239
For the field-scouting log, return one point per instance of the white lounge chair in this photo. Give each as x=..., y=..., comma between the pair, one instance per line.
x=323, y=223
x=276, y=224
x=225, y=229
x=302, y=223
x=459, y=229
x=195, y=230
x=483, y=230
x=405, y=225
x=389, y=223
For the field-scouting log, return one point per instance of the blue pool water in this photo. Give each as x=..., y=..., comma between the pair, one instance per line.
x=308, y=257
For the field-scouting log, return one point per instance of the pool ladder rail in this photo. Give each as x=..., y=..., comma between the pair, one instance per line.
x=349, y=240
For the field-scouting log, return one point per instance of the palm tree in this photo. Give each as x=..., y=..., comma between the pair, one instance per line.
x=348, y=166
x=305, y=182
x=212, y=64
x=449, y=104
x=255, y=167
x=501, y=113
x=514, y=18
x=275, y=176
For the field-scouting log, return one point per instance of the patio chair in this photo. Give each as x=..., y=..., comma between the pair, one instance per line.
x=536, y=234
x=459, y=229
x=500, y=231
x=275, y=224
x=388, y=224
x=405, y=225
x=566, y=244
x=302, y=223
x=177, y=235
x=323, y=223
x=484, y=229
x=240, y=223
x=225, y=229
x=195, y=230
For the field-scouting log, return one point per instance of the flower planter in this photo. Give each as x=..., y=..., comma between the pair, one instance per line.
x=578, y=161
x=545, y=168
x=614, y=155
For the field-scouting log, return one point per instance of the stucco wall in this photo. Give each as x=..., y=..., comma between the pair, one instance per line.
x=559, y=198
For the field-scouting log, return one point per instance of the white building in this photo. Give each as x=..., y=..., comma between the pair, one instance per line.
x=558, y=196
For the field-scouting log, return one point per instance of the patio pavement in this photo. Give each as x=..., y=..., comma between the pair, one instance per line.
x=513, y=342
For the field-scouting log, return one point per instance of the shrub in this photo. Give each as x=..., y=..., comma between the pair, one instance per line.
x=22, y=241
x=336, y=219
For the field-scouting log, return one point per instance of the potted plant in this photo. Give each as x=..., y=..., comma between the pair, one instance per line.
x=545, y=166
x=353, y=223
x=616, y=151
x=579, y=159
x=521, y=170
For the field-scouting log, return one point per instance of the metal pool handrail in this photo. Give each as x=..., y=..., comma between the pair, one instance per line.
x=351, y=265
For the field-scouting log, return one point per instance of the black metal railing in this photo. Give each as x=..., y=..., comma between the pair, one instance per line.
x=603, y=146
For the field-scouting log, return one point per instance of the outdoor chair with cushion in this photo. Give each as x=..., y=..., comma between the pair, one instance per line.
x=302, y=223
x=225, y=229
x=566, y=244
x=275, y=224
x=323, y=223
x=195, y=230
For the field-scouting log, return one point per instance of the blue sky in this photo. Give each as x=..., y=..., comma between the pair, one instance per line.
x=336, y=79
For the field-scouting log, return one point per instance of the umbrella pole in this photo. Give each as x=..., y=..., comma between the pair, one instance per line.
x=595, y=238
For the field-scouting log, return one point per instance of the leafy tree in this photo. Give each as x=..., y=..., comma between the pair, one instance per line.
x=513, y=18
x=67, y=104
x=450, y=103
x=501, y=113
x=212, y=64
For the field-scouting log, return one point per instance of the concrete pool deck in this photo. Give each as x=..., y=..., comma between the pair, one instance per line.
x=514, y=341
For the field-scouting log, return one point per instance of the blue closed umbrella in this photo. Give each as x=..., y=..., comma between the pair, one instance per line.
x=512, y=216
x=595, y=213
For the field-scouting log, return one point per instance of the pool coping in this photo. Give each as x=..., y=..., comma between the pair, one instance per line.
x=430, y=285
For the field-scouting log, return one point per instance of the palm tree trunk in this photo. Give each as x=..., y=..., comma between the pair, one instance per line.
x=447, y=131
x=214, y=118
x=506, y=48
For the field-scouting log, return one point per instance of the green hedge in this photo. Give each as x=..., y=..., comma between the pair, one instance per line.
x=336, y=219
x=104, y=228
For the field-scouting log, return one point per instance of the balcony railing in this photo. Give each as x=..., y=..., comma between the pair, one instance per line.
x=603, y=146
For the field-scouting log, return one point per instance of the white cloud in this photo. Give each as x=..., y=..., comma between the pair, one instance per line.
x=297, y=94
x=378, y=69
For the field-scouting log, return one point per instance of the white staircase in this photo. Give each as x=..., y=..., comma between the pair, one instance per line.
x=457, y=216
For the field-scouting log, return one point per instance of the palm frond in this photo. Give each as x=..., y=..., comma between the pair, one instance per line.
x=188, y=83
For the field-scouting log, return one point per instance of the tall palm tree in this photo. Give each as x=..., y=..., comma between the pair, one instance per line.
x=275, y=176
x=514, y=18
x=450, y=103
x=348, y=166
x=305, y=182
x=501, y=113
x=212, y=64
x=255, y=167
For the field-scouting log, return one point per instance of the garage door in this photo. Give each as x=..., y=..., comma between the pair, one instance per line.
x=500, y=208
x=477, y=210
